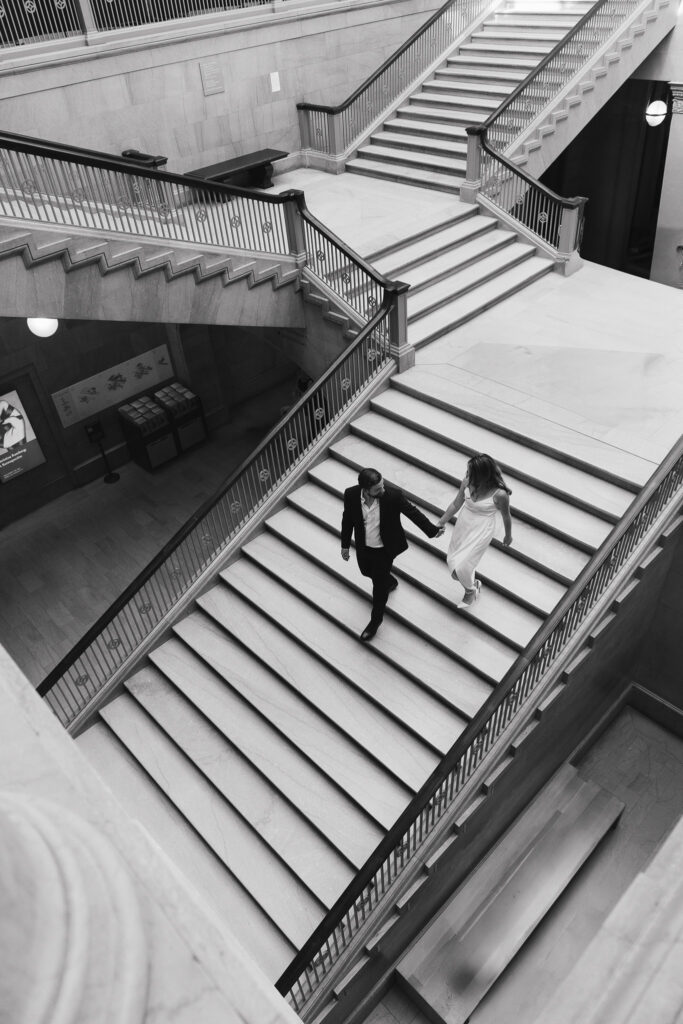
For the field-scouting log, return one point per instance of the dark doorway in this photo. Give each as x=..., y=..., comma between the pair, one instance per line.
x=618, y=162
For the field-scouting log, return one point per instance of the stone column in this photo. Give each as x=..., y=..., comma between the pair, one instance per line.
x=667, y=259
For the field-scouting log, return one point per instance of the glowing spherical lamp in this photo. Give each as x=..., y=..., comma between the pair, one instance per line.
x=655, y=113
x=42, y=326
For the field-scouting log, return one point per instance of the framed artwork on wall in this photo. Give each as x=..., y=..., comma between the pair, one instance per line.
x=19, y=448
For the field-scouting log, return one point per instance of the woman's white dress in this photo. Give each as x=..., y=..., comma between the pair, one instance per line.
x=477, y=524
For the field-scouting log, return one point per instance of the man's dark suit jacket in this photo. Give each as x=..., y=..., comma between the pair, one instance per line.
x=392, y=504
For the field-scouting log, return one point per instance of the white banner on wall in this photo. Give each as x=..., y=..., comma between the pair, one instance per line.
x=112, y=386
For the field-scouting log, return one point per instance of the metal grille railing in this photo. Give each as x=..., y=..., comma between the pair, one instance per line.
x=660, y=498
x=113, y=14
x=146, y=603
x=38, y=21
x=332, y=129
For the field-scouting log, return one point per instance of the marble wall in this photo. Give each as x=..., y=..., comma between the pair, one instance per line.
x=149, y=96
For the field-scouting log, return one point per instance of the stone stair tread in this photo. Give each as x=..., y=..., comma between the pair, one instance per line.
x=481, y=44
x=457, y=390
x=469, y=944
x=481, y=104
x=552, y=470
x=442, y=99
x=552, y=554
x=513, y=20
x=308, y=855
x=410, y=127
x=392, y=746
x=300, y=781
x=447, y=241
x=285, y=900
x=512, y=34
x=473, y=60
x=330, y=749
x=220, y=892
x=449, y=316
x=425, y=107
x=510, y=575
x=527, y=499
x=462, y=280
x=483, y=88
x=424, y=566
x=451, y=263
x=410, y=699
x=413, y=176
x=440, y=164
x=449, y=147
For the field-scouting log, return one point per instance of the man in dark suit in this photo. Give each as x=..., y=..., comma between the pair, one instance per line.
x=372, y=511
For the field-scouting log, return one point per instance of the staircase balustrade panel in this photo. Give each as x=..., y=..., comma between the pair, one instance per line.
x=38, y=21
x=356, y=283
x=663, y=494
x=118, y=635
x=529, y=202
x=332, y=129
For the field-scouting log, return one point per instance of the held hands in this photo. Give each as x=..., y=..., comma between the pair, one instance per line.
x=440, y=530
x=345, y=554
x=507, y=540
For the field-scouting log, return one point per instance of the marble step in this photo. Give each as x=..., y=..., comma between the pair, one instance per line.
x=293, y=909
x=529, y=500
x=408, y=127
x=425, y=109
x=483, y=46
x=411, y=608
x=278, y=824
x=523, y=583
x=550, y=468
x=443, y=100
x=486, y=78
x=500, y=410
x=347, y=765
x=470, y=59
x=449, y=265
x=218, y=890
x=480, y=90
x=406, y=677
x=549, y=9
x=436, y=488
x=444, y=163
x=412, y=252
x=394, y=748
x=423, y=565
x=453, y=314
x=409, y=175
x=413, y=143
x=477, y=104
x=531, y=22
x=463, y=280
x=296, y=777
x=512, y=34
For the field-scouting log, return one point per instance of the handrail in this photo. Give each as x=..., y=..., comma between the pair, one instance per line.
x=436, y=796
x=332, y=128
x=145, y=603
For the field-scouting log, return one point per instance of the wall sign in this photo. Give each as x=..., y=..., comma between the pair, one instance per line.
x=212, y=78
x=113, y=386
x=19, y=449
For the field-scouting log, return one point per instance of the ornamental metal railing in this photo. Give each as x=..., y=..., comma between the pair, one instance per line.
x=538, y=666
x=551, y=219
x=60, y=185
x=332, y=129
x=114, y=14
x=38, y=21
x=116, y=638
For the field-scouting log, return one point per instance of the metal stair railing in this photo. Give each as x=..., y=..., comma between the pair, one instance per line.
x=332, y=129
x=116, y=638
x=537, y=665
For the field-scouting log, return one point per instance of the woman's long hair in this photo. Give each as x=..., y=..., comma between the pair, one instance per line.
x=484, y=475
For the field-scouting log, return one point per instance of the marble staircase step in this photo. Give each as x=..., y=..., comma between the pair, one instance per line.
x=294, y=910
x=512, y=34
x=453, y=314
x=413, y=251
x=383, y=739
x=307, y=854
x=478, y=105
x=531, y=22
x=423, y=565
x=219, y=891
x=519, y=581
x=470, y=59
x=444, y=163
x=404, y=675
x=556, y=475
x=425, y=109
x=450, y=264
x=350, y=828
x=333, y=753
x=506, y=415
x=436, y=487
x=530, y=500
x=428, y=129
x=484, y=45
x=416, y=176
x=448, y=102
x=413, y=143
x=501, y=77
x=471, y=87
x=463, y=279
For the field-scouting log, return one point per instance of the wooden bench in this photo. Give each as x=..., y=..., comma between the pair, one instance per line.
x=470, y=943
x=251, y=169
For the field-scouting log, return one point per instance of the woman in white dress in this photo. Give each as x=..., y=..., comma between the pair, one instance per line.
x=483, y=501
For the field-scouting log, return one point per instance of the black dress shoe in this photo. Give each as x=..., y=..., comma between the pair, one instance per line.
x=369, y=631
x=393, y=583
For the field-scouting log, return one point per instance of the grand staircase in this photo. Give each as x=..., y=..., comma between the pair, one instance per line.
x=424, y=143
x=262, y=744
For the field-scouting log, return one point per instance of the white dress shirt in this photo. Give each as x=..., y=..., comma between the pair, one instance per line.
x=371, y=521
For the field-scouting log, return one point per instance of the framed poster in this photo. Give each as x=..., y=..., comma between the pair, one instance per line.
x=19, y=449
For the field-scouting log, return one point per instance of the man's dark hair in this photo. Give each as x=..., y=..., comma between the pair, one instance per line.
x=368, y=478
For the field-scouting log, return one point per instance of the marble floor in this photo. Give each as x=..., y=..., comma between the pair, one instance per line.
x=642, y=765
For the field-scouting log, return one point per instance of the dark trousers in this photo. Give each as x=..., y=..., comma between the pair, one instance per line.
x=376, y=564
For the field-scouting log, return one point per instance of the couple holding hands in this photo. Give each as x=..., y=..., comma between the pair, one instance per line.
x=372, y=512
